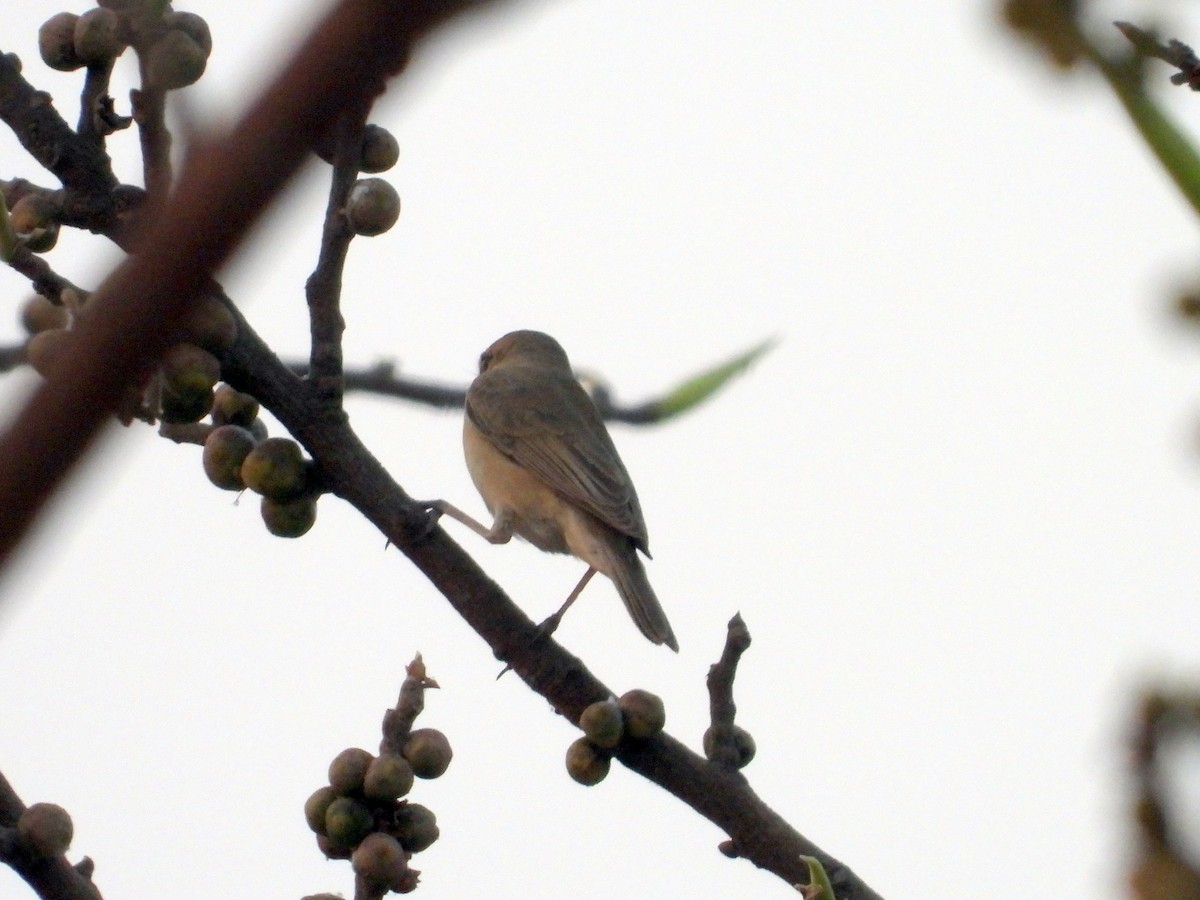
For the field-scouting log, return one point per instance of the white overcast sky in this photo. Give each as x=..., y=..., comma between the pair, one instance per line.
x=958, y=506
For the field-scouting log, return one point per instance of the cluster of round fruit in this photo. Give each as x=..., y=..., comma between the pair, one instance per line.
x=373, y=206
x=188, y=375
x=175, y=45
x=236, y=457
x=361, y=814
x=636, y=716
x=187, y=387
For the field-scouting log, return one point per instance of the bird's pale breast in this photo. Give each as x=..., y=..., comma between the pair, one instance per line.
x=515, y=493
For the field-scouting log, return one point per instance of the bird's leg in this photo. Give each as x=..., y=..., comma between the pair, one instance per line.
x=548, y=627
x=499, y=533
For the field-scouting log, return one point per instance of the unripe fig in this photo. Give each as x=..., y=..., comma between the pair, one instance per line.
x=46, y=829
x=289, y=518
x=210, y=324
x=645, y=715
x=275, y=468
x=97, y=37
x=389, y=777
x=46, y=349
x=33, y=212
x=175, y=61
x=225, y=448
x=602, y=723
x=188, y=369
x=316, y=806
x=347, y=822
x=348, y=769
x=194, y=27
x=56, y=42
x=333, y=850
x=232, y=407
x=39, y=314
x=586, y=762
x=380, y=150
x=372, y=207
x=743, y=744
x=428, y=751
x=746, y=748
x=379, y=859
x=416, y=827
x=43, y=240
x=187, y=406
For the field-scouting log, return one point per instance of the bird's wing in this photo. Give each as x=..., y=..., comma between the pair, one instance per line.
x=546, y=422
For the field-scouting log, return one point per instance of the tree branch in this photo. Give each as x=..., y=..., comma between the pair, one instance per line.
x=348, y=470
x=348, y=55
x=382, y=379
x=223, y=188
x=53, y=878
x=323, y=289
x=81, y=165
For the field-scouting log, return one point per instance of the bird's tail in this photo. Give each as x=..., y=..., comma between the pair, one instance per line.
x=629, y=575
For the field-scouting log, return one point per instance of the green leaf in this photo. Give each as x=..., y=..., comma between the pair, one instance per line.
x=818, y=878
x=700, y=387
x=1170, y=144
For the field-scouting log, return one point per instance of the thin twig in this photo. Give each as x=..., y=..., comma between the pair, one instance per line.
x=41, y=277
x=382, y=379
x=398, y=721
x=323, y=289
x=150, y=114
x=92, y=103
x=722, y=709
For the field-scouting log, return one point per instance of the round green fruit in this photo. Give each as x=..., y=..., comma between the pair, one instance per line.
x=416, y=827
x=603, y=724
x=428, y=751
x=317, y=805
x=289, y=518
x=46, y=829
x=347, y=822
x=586, y=762
x=275, y=468
x=389, y=777
x=380, y=859
x=225, y=448
x=349, y=769
x=645, y=715
x=372, y=207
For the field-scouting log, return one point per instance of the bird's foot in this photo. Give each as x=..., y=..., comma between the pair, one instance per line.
x=433, y=510
x=543, y=631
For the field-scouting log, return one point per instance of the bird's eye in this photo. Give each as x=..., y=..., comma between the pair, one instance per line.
x=485, y=360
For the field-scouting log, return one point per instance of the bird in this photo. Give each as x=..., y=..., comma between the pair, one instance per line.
x=548, y=471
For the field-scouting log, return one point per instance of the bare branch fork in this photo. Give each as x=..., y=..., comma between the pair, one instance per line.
x=132, y=318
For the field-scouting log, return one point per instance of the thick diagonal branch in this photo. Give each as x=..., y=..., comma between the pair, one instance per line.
x=349, y=470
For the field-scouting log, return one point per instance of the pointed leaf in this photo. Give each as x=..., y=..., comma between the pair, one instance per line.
x=700, y=387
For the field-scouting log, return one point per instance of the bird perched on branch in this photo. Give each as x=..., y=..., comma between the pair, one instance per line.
x=538, y=452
